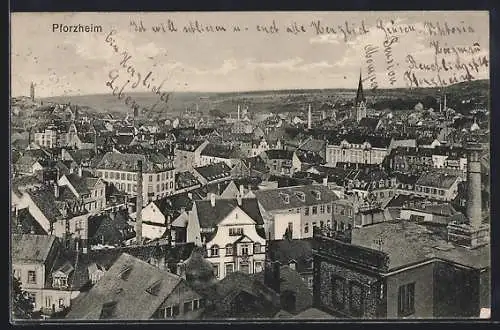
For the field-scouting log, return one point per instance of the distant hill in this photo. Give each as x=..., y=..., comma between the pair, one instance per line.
x=476, y=93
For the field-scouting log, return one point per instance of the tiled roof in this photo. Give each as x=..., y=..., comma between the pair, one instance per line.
x=214, y=171
x=131, y=298
x=276, y=199
x=220, y=151
x=128, y=162
x=313, y=145
x=31, y=248
x=436, y=179
x=185, y=179
x=45, y=200
x=209, y=216
x=369, y=123
x=24, y=223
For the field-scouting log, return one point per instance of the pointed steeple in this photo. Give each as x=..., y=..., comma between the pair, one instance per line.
x=360, y=96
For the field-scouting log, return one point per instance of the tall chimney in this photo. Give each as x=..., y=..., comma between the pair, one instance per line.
x=212, y=200
x=238, y=112
x=474, y=186
x=138, y=221
x=309, y=118
x=56, y=190
x=80, y=172
x=325, y=181
x=241, y=190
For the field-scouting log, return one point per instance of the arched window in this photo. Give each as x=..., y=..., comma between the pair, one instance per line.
x=214, y=251
x=229, y=250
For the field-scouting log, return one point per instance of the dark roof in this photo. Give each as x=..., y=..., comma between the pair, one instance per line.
x=151, y=162
x=214, y=171
x=299, y=251
x=45, y=200
x=185, y=179
x=313, y=145
x=275, y=199
x=279, y=154
x=31, y=248
x=436, y=179
x=80, y=184
x=210, y=216
x=220, y=151
x=24, y=223
x=369, y=123
x=130, y=296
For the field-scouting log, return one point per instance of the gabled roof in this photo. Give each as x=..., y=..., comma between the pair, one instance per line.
x=313, y=145
x=214, y=171
x=297, y=196
x=27, y=248
x=45, y=200
x=437, y=180
x=133, y=298
x=369, y=123
x=286, y=251
x=209, y=216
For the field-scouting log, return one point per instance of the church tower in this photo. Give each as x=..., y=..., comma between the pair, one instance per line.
x=360, y=103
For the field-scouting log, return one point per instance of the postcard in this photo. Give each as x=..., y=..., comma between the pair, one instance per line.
x=198, y=166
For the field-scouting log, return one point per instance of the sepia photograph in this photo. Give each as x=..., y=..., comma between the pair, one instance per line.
x=215, y=166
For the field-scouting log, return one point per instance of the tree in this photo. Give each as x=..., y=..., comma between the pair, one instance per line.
x=22, y=303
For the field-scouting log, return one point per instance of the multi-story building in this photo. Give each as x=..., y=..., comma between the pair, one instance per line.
x=47, y=138
x=298, y=209
x=437, y=185
x=158, y=174
x=232, y=231
x=188, y=155
x=356, y=149
x=216, y=153
x=279, y=161
x=91, y=191
x=34, y=258
x=398, y=270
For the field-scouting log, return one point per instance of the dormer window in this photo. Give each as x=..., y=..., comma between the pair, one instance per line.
x=108, y=310
x=154, y=289
x=301, y=196
x=125, y=272
x=285, y=198
x=317, y=194
x=292, y=264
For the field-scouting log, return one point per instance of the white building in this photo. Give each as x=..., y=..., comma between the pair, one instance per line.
x=232, y=231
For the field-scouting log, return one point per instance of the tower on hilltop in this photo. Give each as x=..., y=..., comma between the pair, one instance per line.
x=360, y=102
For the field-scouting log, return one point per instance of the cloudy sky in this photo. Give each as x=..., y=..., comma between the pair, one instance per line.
x=80, y=63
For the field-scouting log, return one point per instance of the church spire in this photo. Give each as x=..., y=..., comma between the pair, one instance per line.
x=360, y=96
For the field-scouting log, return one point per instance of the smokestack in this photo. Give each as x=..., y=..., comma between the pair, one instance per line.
x=138, y=224
x=241, y=190
x=309, y=118
x=238, y=112
x=325, y=181
x=212, y=200
x=56, y=190
x=80, y=172
x=474, y=186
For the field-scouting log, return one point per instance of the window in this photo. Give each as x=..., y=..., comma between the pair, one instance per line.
x=257, y=248
x=48, y=301
x=321, y=209
x=216, y=270
x=229, y=268
x=163, y=176
x=123, y=176
x=441, y=192
x=31, y=277
x=158, y=177
x=235, y=231
x=315, y=210
x=356, y=302
x=306, y=211
x=338, y=291
x=258, y=266
x=61, y=303
x=17, y=273
x=214, y=251
x=188, y=306
x=171, y=185
x=321, y=224
x=175, y=310
x=163, y=186
x=150, y=178
x=328, y=209
x=111, y=175
x=105, y=174
x=406, y=300
x=129, y=186
x=229, y=250
x=306, y=228
x=158, y=187
x=108, y=309
x=60, y=281
x=196, y=304
x=129, y=177
x=244, y=249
